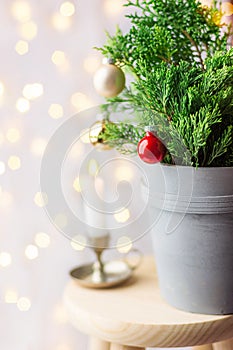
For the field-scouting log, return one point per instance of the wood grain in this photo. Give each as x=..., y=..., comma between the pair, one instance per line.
x=97, y=344
x=136, y=315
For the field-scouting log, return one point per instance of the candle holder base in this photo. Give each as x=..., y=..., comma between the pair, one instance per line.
x=104, y=274
x=114, y=273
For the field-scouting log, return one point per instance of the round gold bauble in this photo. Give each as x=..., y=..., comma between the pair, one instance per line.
x=109, y=80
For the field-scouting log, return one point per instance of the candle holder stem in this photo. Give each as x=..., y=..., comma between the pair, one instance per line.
x=99, y=244
x=102, y=274
x=99, y=263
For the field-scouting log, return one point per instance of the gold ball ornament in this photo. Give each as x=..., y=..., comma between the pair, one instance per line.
x=109, y=80
x=95, y=137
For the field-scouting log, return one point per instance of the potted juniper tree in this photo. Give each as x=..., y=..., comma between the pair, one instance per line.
x=181, y=95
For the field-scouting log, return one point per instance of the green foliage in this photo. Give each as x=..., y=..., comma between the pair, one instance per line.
x=122, y=136
x=168, y=31
x=183, y=81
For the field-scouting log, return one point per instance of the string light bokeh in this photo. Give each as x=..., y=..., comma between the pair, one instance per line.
x=46, y=71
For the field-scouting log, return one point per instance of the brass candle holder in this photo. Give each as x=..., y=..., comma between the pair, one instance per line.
x=101, y=274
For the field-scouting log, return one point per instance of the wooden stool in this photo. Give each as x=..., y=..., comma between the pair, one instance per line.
x=134, y=316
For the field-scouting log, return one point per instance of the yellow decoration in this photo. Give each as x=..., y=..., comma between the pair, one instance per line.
x=95, y=135
x=217, y=18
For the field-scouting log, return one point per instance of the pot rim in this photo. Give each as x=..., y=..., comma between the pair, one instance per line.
x=195, y=168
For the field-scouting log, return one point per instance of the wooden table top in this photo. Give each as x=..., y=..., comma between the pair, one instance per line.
x=135, y=314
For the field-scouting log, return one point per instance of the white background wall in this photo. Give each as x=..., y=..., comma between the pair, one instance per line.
x=34, y=267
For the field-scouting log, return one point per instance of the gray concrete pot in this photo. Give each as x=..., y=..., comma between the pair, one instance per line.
x=193, y=236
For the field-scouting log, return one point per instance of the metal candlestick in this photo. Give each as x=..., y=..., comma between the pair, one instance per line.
x=100, y=274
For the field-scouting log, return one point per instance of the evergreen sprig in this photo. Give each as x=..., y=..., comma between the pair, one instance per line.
x=183, y=84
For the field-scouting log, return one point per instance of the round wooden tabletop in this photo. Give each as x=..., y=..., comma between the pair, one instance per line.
x=135, y=314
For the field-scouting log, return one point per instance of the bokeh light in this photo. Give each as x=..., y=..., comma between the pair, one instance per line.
x=31, y=252
x=60, y=22
x=13, y=135
x=5, y=259
x=93, y=167
x=78, y=242
x=122, y=215
x=22, y=105
x=113, y=7
x=42, y=240
x=2, y=168
x=28, y=30
x=14, y=162
x=11, y=296
x=124, y=244
x=60, y=220
x=59, y=58
x=2, y=88
x=6, y=199
x=80, y=101
x=38, y=146
x=22, y=47
x=24, y=304
x=33, y=91
x=124, y=173
x=55, y=111
x=41, y=199
x=67, y=9
x=21, y=10
x=91, y=64
x=77, y=185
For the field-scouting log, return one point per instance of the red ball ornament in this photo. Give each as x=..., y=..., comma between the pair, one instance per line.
x=150, y=149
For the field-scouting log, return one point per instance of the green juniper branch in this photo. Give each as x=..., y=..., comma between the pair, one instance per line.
x=177, y=53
